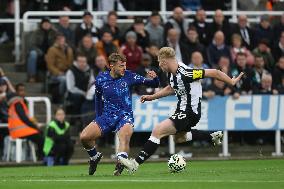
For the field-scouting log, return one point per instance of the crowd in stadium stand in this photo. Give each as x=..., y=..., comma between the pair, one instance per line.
x=72, y=58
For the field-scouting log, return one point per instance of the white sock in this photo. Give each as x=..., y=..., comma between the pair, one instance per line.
x=188, y=136
x=154, y=139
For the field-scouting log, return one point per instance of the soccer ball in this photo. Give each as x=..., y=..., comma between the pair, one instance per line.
x=176, y=163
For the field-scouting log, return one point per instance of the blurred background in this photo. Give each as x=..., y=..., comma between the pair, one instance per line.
x=41, y=80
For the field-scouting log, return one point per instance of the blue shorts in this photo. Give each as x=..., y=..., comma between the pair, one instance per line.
x=108, y=123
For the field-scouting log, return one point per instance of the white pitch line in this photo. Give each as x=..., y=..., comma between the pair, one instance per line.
x=149, y=181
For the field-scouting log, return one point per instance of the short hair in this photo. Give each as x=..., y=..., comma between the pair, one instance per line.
x=155, y=13
x=240, y=54
x=111, y=13
x=166, y=52
x=191, y=28
x=59, y=35
x=80, y=54
x=19, y=85
x=257, y=55
x=115, y=57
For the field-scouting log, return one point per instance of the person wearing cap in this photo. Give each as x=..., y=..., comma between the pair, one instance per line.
x=263, y=50
x=155, y=30
x=142, y=35
x=264, y=30
x=87, y=27
x=40, y=41
x=132, y=51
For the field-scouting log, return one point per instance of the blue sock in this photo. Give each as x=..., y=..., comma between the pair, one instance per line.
x=92, y=152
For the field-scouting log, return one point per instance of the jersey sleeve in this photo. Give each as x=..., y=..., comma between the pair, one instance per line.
x=98, y=99
x=191, y=75
x=136, y=79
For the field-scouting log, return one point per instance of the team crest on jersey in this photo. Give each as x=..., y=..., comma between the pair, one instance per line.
x=123, y=84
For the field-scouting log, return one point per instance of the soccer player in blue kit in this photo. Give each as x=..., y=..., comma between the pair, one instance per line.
x=113, y=109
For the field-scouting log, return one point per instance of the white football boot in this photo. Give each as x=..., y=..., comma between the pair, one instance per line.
x=130, y=164
x=217, y=138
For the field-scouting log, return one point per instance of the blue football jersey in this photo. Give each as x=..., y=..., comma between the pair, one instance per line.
x=113, y=95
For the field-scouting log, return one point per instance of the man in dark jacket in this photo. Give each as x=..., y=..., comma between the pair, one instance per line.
x=41, y=40
x=87, y=27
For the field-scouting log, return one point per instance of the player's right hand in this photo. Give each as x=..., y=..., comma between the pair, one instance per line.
x=145, y=98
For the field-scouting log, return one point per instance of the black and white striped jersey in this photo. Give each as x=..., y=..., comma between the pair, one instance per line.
x=187, y=86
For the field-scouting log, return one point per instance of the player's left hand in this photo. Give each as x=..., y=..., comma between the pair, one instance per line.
x=237, y=79
x=152, y=74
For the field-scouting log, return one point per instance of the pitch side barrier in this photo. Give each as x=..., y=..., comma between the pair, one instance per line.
x=248, y=113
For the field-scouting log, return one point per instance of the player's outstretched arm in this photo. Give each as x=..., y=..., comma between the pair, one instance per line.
x=217, y=74
x=168, y=90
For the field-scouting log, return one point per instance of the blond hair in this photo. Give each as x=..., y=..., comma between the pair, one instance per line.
x=166, y=52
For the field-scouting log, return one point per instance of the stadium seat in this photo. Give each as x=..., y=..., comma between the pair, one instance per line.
x=19, y=149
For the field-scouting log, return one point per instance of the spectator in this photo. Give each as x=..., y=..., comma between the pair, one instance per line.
x=21, y=90
x=246, y=33
x=3, y=101
x=20, y=125
x=106, y=45
x=100, y=65
x=259, y=71
x=177, y=22
x=264, y=31
x=155, y=30
x=245, y=85
x=65, y=29
x=41, y=40
x=217, y=49
x=198, y=63
x=58, y=146
x=7, y=30
x=193, y=44
x=280, y=88
x=10, y=87
x=264, y=51
x=278, y=72
x=224, y=65
x=218, y=88
x=143, y=37
x=153, y=51
x=59, y=59
x=266, y=86
x=278, y=30
x=237, y=47
x=111, y=26
x=201, y=26
x=278, y=50
x=78, y=80
x=87, y=27
x=143, y=70
x=179, y=47
x=220, y=24
x=88, y=49
x=132, y=51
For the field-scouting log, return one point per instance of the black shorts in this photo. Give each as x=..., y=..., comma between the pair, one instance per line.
x=184, y=120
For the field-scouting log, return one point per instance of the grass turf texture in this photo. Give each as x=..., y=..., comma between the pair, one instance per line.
x=231, y=174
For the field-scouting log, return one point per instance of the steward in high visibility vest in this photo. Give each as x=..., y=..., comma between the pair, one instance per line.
x=58, y=146
x=20, y=125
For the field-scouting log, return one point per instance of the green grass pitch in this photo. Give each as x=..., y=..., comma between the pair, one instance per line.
x=230, y=174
